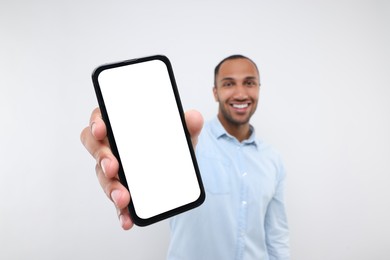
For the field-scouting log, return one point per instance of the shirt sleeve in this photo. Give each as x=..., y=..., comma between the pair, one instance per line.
x=276, y=226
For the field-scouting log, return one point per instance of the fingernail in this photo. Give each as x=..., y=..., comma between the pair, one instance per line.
x=105, y=163
x=93, y=128
x=121, y=220
x=115, y=194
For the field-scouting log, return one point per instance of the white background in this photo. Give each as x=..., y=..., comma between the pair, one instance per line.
x=324, y=105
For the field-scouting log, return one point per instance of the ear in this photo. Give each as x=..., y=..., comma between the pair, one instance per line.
x=215, y=93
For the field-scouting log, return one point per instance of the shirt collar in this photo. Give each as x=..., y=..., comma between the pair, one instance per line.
x=219, y=131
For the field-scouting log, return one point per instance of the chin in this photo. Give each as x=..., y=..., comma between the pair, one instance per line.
x=239, y=122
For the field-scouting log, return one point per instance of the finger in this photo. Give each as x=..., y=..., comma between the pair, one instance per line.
x=125, y=219
x=97, y=125
x=194, y=121
x=114, y=190
x=118, y=194
x=101, y=152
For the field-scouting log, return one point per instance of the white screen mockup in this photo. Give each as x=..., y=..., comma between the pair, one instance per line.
x=150, y=138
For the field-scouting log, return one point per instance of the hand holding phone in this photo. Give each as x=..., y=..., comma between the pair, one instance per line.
x=141, y=107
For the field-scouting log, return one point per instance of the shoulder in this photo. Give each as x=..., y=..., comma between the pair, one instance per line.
x=267, y=149
x=206, y=135
x=270, y=154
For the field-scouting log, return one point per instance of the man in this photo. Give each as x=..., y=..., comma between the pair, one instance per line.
x=243, y=216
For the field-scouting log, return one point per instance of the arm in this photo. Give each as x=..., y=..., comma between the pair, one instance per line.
x=276, y=227
x=94, y=138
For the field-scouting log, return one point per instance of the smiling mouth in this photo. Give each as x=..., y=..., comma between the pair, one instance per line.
x=240, y=106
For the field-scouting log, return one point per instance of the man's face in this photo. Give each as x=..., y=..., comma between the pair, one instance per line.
x=237, y=91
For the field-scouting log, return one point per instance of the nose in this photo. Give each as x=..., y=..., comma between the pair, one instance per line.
x=240, y=92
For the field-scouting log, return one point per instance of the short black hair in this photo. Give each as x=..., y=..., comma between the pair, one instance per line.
x=231, y=57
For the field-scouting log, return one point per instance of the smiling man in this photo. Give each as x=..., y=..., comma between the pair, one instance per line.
x=243, y=216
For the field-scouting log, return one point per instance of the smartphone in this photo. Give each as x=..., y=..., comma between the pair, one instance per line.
x=147, y=132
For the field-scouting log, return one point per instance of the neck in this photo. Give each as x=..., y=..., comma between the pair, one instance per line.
x=240, y=131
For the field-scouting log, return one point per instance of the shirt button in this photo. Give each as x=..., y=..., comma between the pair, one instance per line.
x=244, y=174
x=244, y=203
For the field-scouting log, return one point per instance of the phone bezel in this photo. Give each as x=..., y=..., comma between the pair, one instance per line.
x=135, y=218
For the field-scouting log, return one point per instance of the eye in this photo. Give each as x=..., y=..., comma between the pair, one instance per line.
x=250, y=83
x=228, y=84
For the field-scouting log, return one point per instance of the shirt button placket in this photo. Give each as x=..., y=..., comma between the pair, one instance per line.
x=243, y=203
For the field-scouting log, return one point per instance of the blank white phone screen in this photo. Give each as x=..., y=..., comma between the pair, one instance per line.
x=150, y=138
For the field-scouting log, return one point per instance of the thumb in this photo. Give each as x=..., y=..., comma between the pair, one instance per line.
x=194, y=121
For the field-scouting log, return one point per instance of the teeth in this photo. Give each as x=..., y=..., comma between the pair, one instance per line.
x=240, y=105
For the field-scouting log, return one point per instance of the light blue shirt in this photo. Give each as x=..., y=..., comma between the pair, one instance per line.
x=243, y=216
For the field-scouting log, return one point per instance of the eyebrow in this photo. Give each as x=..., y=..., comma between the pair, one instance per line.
x=227, y=78
x=246, y=78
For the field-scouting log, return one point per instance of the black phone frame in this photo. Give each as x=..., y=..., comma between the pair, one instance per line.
x=135, y=218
